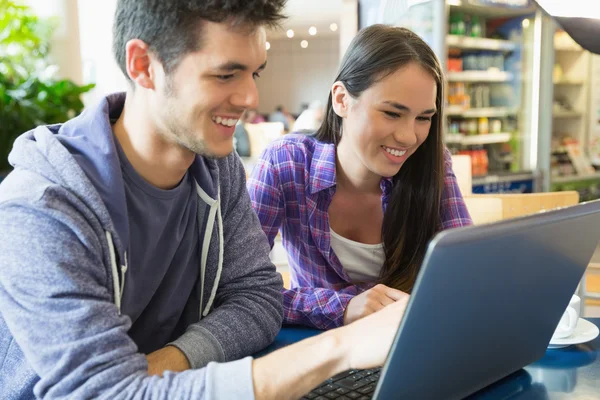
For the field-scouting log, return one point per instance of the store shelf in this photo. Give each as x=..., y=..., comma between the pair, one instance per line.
x=474, y=43
x=479, y=76
x=498, y=112
x=567, y=114
x=488, y=11
x=478, y=139
x=567, y=48
x=569, y=83
x=575, y=178
x=453, y=138
x=508, y=177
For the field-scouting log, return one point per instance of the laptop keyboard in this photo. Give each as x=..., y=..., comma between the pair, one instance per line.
x=353, y=384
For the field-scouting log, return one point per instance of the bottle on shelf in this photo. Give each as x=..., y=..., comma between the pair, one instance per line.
x=495, y=126
x=484, y=161
x=475, y=27
x=453, y=28
x=454, y=128
x=464, y=127
x=484, y=127
x=479, y=161
x=472, y=127
x=480, y=96
x=457, y=96
x=474, y=163
x=457, y=24
x=454, y=64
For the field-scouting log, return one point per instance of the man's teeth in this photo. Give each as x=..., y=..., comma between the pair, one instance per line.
x=397, y=153
x=225, y=121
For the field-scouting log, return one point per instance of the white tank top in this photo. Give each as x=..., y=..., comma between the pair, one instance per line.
x=362, y=262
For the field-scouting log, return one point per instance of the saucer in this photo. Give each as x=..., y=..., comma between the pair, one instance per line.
x=584, y=332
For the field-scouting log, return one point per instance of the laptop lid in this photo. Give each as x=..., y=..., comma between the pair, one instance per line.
x=487, y=301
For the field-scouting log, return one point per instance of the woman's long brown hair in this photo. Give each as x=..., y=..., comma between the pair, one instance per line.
x=412, y=216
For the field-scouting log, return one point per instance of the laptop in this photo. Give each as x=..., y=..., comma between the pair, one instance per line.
x=485, y=304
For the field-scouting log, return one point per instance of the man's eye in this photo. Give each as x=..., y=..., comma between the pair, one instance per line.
x=225, y=77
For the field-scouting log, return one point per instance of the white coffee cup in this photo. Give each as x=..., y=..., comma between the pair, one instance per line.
x=569, y=319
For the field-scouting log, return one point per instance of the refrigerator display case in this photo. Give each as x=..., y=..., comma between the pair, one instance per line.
x=575, y=142
x=491, y=51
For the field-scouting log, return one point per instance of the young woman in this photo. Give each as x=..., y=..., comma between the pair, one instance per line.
x=358, y=201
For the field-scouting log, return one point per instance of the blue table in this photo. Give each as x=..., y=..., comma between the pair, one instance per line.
x=568, y=373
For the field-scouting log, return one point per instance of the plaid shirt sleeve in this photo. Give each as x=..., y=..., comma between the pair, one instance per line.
x=319, y=308
x=454, y=212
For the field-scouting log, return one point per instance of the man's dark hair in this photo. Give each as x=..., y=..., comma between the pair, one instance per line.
x=173, y=28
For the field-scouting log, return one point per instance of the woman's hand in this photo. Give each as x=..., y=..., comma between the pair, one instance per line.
x=371, y=301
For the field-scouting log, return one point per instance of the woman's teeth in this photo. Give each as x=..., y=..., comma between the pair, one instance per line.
x=397, y=153
x=225, y=121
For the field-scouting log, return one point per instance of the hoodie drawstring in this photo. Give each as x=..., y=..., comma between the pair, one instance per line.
x=118, y=291
x=220, y=265
x=215, y=209
x=123, y=271
x=215, y=213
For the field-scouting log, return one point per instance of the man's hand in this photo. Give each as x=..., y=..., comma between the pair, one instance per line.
x=168, y=358
x=371, y=301
x=368, y=340
x=291, y=372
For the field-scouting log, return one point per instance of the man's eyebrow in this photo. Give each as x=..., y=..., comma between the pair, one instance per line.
x=233, y=66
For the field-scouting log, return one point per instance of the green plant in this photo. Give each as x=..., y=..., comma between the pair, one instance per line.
x=29, y=95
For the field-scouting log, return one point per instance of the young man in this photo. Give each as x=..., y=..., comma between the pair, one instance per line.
x=131, y=262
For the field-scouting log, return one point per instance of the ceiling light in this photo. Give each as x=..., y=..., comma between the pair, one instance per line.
x=304, y=44
x=333, y=27
x=290, y=33
x=268, y=45
x=312, y=31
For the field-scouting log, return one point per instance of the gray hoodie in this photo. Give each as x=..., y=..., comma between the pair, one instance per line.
x=63, y=236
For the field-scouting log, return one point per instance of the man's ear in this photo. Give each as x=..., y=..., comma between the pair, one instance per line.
x=140, y=65
x=340, y=99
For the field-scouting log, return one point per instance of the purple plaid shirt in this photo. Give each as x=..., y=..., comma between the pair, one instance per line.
x=291, y=188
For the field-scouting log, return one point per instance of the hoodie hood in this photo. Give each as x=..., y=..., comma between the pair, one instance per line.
x=50, y=151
